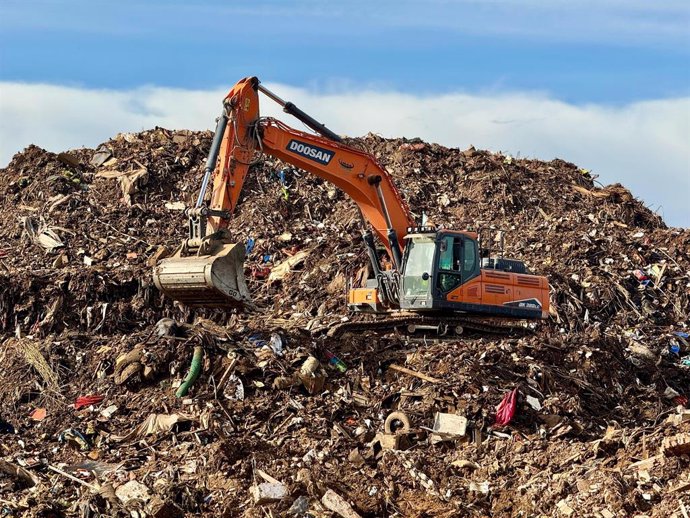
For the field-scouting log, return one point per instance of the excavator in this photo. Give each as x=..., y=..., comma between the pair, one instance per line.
x=434, y=278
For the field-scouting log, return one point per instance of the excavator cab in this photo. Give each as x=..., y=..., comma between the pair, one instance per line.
x=435, y=264
x=418, y=271
x=444, y=271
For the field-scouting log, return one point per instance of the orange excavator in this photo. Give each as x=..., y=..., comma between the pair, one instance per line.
x=436, y=278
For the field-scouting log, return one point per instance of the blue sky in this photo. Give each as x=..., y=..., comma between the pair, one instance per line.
x=581, y=51
x=596, y=57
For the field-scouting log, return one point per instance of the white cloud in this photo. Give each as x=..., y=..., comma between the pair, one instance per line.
x=643, y=145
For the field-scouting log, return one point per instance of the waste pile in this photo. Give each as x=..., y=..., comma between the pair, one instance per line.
x=118, y=402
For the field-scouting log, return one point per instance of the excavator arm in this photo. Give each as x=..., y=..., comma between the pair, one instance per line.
x=207, y=269
x=353, y=171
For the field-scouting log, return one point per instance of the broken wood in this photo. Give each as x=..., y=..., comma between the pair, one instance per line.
x=410, y=372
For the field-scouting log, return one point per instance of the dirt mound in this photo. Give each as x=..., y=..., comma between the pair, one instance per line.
x=599, y=385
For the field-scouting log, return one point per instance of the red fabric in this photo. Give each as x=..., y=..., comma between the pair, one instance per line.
x=506, y=409
x=83, y=401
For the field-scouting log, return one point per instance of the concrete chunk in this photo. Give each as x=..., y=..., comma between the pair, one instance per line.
x=268, y=492
x=133, y=491
x=448, y=427
x=336, y=503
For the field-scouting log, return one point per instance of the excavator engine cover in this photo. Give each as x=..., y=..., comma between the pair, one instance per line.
x=215, y=279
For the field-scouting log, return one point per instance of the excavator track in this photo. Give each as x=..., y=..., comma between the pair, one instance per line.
x=414, y=322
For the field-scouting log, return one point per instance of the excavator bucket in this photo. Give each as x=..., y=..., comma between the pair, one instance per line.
x=212, y=280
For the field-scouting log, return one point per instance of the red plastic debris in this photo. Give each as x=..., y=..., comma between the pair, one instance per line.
x=640, y=275
x=83, y=401
x=506, y=409
x=260, y=272
x=681, y=400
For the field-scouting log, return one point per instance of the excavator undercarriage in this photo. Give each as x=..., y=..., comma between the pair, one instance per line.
x=434, y=325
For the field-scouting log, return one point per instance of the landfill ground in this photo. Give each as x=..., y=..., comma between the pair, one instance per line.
x=90, y=424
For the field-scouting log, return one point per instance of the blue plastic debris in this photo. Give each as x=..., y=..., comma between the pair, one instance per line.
x=250, y=246
x=257, y=341
x=74, y=437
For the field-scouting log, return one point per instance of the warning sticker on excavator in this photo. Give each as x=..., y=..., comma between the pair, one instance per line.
x=317, y=154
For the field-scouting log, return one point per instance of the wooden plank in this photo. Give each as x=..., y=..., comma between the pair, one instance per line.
x=410, y=372
x=267, y=477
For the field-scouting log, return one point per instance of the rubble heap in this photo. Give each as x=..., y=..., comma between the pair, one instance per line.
x=117, y=401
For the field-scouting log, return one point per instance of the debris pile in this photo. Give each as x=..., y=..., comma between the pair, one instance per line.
x=120, y=402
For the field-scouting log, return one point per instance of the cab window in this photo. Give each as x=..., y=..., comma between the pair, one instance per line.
x=420, y=259
x=469, y=259
x=457, y=262
x=449, y=262
x=445, y=257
